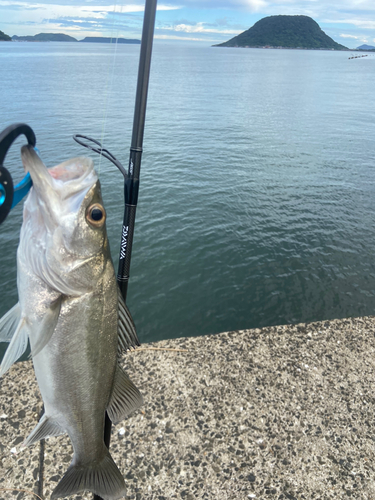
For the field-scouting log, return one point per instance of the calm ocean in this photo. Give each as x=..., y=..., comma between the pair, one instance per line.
x=257, y=195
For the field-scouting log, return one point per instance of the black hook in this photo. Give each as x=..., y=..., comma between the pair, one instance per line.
x=7, y=137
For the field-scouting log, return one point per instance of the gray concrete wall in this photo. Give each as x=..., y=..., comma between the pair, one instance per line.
x=282, y=412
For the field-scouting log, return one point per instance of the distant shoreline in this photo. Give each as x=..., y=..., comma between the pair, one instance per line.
x=281, y=48
x=60, y=37
x=78, y=41
x=293, y=48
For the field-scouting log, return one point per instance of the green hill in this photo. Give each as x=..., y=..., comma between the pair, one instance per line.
x=286, y=32
x=366, y=47
x=4, y=37
x=45, y=37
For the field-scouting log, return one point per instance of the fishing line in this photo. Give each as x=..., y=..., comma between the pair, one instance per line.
x=109, y=87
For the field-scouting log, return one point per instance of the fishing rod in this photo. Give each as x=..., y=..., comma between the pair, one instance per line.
x=131, y=185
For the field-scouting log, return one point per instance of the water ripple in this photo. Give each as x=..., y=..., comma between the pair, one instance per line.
x=257, y=188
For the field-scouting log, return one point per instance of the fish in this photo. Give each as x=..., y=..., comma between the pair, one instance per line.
x=71, y=312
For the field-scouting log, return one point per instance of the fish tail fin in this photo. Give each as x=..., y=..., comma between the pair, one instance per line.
x=101, y=478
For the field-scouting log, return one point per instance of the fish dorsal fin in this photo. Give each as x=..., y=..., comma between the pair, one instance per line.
x=127, y=335
x=125, y=397
x=9, y=322
x=46, y=427
x=16, y=348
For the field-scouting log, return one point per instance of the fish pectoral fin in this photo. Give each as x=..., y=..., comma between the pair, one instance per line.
x=16, y=348
x=46, y=327
x=47, y=427
x=9, y=322
x=127, y=335
x=125, y=397
x=101, y=477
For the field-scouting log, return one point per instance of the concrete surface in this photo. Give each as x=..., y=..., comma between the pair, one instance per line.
x=282, y=412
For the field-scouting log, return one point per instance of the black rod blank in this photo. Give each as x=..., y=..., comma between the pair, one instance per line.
x=131, y=187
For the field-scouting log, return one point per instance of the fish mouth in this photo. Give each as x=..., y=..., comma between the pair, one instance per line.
x=60, y=189
x=71, y=170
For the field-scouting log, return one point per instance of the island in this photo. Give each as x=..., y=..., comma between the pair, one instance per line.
x=44, y=37
x=367, y=48
x=60, y=37
x=4, y=37
x=284, y=32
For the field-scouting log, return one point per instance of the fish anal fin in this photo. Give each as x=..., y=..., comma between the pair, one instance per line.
x=103, y=479
x=47, y=427
x=127, y=335
x=125, y=397
x=9, y=322
x=16, y=348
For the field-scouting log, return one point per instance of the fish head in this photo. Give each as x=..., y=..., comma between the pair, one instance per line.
x=65, y=218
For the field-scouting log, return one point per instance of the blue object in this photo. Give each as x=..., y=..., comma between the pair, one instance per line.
x=2, y=194
x=10, y=195
x=20, y=190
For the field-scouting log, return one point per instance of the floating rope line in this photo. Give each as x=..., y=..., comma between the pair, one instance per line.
x=167, y=349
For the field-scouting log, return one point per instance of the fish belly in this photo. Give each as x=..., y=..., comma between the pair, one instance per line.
x=75, y=370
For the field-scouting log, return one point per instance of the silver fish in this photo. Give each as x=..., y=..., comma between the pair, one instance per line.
x=73, y=315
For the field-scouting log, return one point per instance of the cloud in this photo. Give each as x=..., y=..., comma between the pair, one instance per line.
x=188, y=38
x=361, y=23
x=88, y=22
x=349, y=36
x=93, y=15
x=199, y=28
x=90, y=5
x=221, y=27
x=186, y=19
x=242, y=5
x=23, y=7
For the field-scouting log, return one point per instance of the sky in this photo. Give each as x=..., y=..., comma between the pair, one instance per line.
x=349, y=22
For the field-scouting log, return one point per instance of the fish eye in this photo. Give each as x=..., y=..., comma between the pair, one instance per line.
x=95, y=215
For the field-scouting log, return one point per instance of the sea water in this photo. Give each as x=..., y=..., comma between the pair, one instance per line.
x=257, y=193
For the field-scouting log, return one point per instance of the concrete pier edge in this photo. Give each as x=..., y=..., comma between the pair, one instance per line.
x=283, y=412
